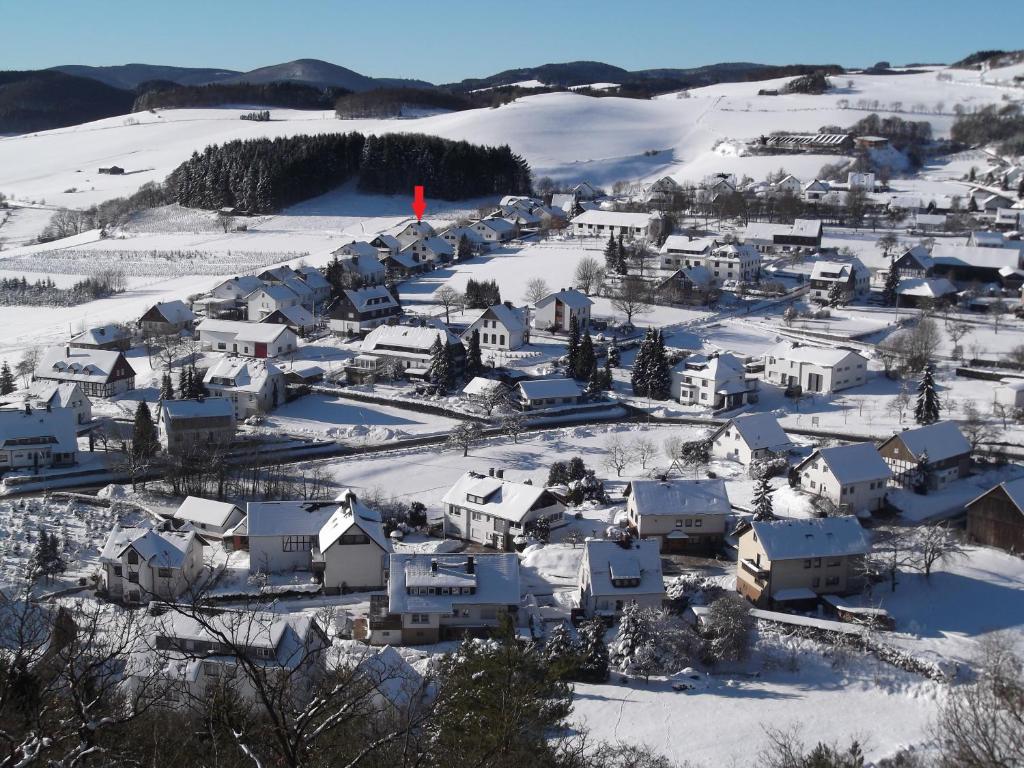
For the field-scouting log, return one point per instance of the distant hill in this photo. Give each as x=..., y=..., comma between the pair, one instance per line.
x=130, y=76
x=286, y=95
x=321, y=74
x=42, y=99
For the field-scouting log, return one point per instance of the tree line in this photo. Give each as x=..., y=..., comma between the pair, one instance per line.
x=264, y=175
x=159, y=94
x=1001, y=125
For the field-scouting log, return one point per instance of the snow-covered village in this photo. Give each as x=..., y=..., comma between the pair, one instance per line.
x=578, y=416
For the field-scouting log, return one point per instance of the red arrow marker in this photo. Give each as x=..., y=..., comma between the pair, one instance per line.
x=419, y=205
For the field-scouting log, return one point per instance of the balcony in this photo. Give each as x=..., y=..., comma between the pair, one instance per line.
x=754, y=569
x=317, y=561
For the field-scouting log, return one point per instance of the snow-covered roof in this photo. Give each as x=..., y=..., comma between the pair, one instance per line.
x=210, y=407
x=720, y=368
x=826, y=357
x=358, y=248
x=988, y=239
x=500, y=226
x=392, y=677
x=837, y=270
x=370, y=297
x=407, y=338
x=55, y=428
x=570, y=297
x=1017, y=385
x=313, y=277
x=613, y=218
x=607, y=560
x=481, y=386
x=852, y=463
x=806, y=228
x=161, y=549
x=495, y=579
x=685, y=244
x=288, y=518
x=77, y=364
x=243, y=374
x=275, y=291
x=940, y=441
x=103, y=334
x=975, y=256
x=545, y=388
x=759, y=431
x=174, y=311
x=811, y=537
x=243, y=331
x=296, y=315
x=676, y=497
x=352, y=513
x=925, y=287
x=205, y=511
x=509, y=317
x=240, y=286
x=501, y=498
x=736, y=251
x=58, y=394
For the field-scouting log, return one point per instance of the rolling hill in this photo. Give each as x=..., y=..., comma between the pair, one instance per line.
x=321, y=74
x=130, y=76
x=38, y=100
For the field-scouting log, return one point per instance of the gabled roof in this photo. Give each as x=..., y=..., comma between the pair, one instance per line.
x=688, y=245
x=352, y=514
x=802, y=353
x=852, y=463
x=613, y=218
x=161, y=549
x=570, y=297
x=55, y=427
x=811, y=537
x=206, y=511
x=678, y=497
x=718, y=368
x=1014, y=490
x=925, y=287
x=406, y=337
x=103, y=334
x=607, y=560
x=378, y=294
x=542, y=388
x=358, y=248
x=313, y=277
x=837, y=270
x=918, y=254
x=243, y=331
x=210, y=407
x=512, y=319
x=247, y=375
x=92, y=365
x=758, y=430
x=392, y=677
x=480, y=386
x=173, y=311
x=275, y=291
x=296, y=315
x=940, y=441
x=495, y=579
x=501, y=226
x=502, y=498
x=288, y=518
x=975, y=256
x=58, y=394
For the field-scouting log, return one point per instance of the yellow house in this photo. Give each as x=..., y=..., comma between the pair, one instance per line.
x=786, y=561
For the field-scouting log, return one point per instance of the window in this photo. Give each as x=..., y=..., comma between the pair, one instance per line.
x=689, y=522
x=133, y=577
x=834, y=562
x=679, y=523
x=133, y=557
x=297, y=543
x=419, y=618
x=807, y=563
x=698, y=523
x=831, y=581
x=815, y=582
x=817, y=562
x=163, y=573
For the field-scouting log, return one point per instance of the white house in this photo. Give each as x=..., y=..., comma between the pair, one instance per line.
x=435, y=597
x=490, y=510
x=556, y=310
x=681, y=515
x=737, y=262
x=410, y=346
x=237, y=288
x=814, y=369
x=492, y=231
x=109, y=336
x=1009, y=393
x=853, y=477
x=430, y=250
x=749, y=437
x=247, y=339
x=815, y=190
x=253, y=386
x=548, y=393
x=141, y=564
x=37, y=438
x=167, y=318
x=99, y=372
x=686, y=251
x=61, y=394
x=853, y=278
x=362, y=259
x=605, y=224
x=283, y=534
x=715, y=381
x=208, y=517
x=411, y=232
x=794, y=561
x=612, y=575
x=500, y=327
x=190, y=425
x=266, y=299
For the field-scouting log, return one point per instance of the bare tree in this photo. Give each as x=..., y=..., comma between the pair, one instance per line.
x=536, y=289
x=618, y=454
x=589, y=275
x=498, y=396
x=956, y=332
x=464, y=435
x=513, y=425
x=645, y=450
x=27, y=365
x=631, y=297
x=976, y=428
x=932, y=545
x=447, y=297
x=997, y=309
x=1016, y=356
x=890, y=551
x=227, y=223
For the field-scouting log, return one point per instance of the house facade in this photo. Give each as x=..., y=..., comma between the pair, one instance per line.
x=556, y=310
x=361, y=310
x=547, y=393
x=852, y=277
x=37, y=438
x=362, y=259
x=254, y=387
x=186, y=426
x=814, y=369
x=99, y=372
x=167, y=319
x=612, y=575
x=259, y=340
x=931, y=456
x=717, y=381
x=409, y=347
x=267, y=299
x=43, y=395
x=793, y=561
x=605, y=224
x=210, y=518
x=748, y=438
x=138, y=565
x=500, y=327
x=853, y=477
x=681, y=515
x=996, y=517
x=493, y=511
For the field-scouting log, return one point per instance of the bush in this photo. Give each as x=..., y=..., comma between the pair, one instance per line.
x=728, y=630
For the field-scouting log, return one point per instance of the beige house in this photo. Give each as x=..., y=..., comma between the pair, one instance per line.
x=790, y=561
x=682, y=515
x=853, y=477
x=934, y=456
x=612, y=575
x=141, y=564
x=750, y=437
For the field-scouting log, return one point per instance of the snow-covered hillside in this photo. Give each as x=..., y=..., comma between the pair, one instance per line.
x=563, y=135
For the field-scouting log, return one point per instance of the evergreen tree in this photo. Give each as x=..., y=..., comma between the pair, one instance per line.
x=573, y=348
x=42, y=556
x=607, y=379
x=561, y=652
x=166, y=387
x=660, y=372
x=613, y=360
x=927, y=409
x=586, y=359
x=835, y=294
x=634, y=635
x=620, y=264
x=640, y=376
x=184, y=383
x=464, y=250
x=441, y=374
x=593, y=652
x=892, y=282
x=145, y=442
x=611, y=255
x=1020, y=188
x=474, y=357
x=196, y=387
x=558, y=474
x=595, y=385
x=7, y=384
x=763, y=508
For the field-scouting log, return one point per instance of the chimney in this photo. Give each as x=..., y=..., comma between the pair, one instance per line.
x=67, y=351
x=470, y=565
x=47, y=406
x=28, y=409
x=500, y=473
x=433, y=566
x=490, y=471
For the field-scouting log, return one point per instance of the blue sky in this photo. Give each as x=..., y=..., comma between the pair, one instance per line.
x=447, y=40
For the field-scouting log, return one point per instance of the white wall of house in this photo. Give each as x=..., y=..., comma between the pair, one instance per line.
x=354, y=565
x=864, y=496
x=140, y=582
x=851, y=372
